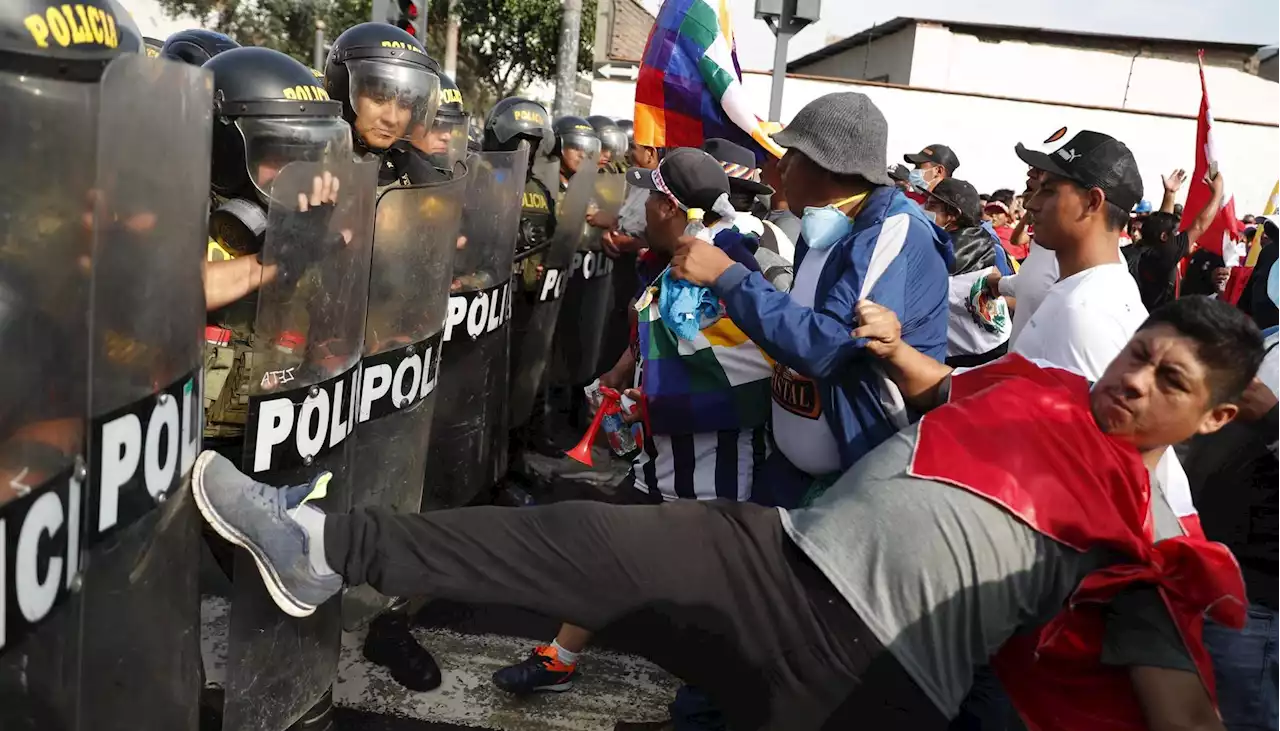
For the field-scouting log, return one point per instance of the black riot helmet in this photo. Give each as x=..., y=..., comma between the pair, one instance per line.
x=515, y=119
x=576, y=141
x=613, y=141
x=444, y=141
x=386, y=82
x=195, y=46
x=57, y=40
x=629, y=129
x=268, y=111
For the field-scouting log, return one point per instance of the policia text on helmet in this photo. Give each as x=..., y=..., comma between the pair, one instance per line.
x=386, y=82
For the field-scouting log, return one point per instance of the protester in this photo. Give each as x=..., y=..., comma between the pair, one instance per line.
x=1234, y=477
x=907, y=573
x=784, y=224
x=704, y=387
x=1153, y=262
x=1256, y=299
x=933, y=164
x=860, y=237
x=1000, y=223
x=974, y=335
x=745, y=191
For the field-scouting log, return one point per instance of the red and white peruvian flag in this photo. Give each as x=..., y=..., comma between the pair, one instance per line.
x=1226, y=227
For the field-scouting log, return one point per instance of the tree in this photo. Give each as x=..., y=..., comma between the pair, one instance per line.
x=503, y=47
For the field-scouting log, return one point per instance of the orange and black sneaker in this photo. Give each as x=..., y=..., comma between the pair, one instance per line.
x=542, y=670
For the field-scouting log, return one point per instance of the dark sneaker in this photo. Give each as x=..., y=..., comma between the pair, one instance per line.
x=667, y=725
x=391, y=644
x=259, y=518
x=542, y=670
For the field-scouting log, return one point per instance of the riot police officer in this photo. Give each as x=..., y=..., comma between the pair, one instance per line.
x=445, y=142
x=389, y=87
x=576, y=143
x=195, y=46
x=540, y=274
x=613, y=143
x=100, y=550
x=629, y=129
x=290, y=240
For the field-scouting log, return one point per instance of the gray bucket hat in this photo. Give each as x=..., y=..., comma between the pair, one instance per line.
x=843, y=133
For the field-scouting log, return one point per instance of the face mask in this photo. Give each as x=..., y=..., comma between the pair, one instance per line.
x=932, y=216
x=822, y=227
x=916, y=178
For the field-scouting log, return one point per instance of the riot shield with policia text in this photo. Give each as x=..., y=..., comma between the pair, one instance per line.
x=304, y=387
x=468, y=440
x=97, y=529
x=415, y=237
x=141, y=599
x=540, y=281
x=589, y=296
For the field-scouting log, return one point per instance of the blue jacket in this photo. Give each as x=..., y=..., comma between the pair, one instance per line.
x=859, y=402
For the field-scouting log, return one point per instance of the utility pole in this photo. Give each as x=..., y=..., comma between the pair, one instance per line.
x=424, y=10
x=451, y=42
x=317, y=53
x=785, y=18
x=567, y=58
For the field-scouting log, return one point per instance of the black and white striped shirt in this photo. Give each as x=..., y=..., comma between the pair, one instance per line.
x=720, y=465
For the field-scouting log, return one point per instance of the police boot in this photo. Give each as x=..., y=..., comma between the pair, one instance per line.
x=391, y=644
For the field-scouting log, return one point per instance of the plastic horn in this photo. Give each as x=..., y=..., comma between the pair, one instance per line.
x=582, y=452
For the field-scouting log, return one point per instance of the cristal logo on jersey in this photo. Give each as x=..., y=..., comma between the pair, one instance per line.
x=478, y=312
x=139, y=455
x=592, y=264
x=73, y=24
x=397, y=379
x=39, y=553
x=291, y=428
x=305, y=93
x=795, y=393
x=552, y=285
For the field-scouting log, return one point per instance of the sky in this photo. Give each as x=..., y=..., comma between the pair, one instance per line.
x=1232, y=21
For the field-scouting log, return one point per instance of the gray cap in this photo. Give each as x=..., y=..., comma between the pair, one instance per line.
x=843, y=133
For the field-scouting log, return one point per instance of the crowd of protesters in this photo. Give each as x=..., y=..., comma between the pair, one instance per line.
x=914, y=456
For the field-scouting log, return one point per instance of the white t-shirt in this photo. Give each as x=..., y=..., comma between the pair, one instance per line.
x=1038, y=272
x=800, y=429
x=1084, y=321
x=1082, y=324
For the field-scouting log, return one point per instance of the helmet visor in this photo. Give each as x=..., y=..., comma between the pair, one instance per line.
x=272, y=143
x=445, y=143
x=589, y=144
x=615, y=143
x=391, y=99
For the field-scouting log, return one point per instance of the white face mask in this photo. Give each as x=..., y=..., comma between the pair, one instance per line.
x=932, y=216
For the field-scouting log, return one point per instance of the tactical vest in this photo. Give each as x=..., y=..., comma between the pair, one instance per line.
x=537, y=225
x=228, y=361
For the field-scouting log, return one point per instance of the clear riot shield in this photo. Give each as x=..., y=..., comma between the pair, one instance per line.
x=304, y=387
x=44, y=309
x=415, y=237
x=541, y=284
x=588, y=298
x=142, y=536
x=469, y=439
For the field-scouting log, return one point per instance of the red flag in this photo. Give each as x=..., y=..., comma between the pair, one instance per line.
x=1225, y=224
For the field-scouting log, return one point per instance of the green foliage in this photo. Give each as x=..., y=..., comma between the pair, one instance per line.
x=503, y=45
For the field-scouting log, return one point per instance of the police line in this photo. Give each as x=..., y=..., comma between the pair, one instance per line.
x=139, y=453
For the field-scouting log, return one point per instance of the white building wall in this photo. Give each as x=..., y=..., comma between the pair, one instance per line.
x=983, y=131
x=889, y=57
x=959, y=62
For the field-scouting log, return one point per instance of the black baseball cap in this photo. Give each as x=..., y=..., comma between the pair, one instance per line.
x=940, y=154
x=691, y=176
x=739, y=164
x=1093, y=160
x=961, y=196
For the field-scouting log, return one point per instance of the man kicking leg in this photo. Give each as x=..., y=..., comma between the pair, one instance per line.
x=871, y=608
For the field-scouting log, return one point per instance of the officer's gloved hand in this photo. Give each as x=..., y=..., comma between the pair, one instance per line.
x=306, y=237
